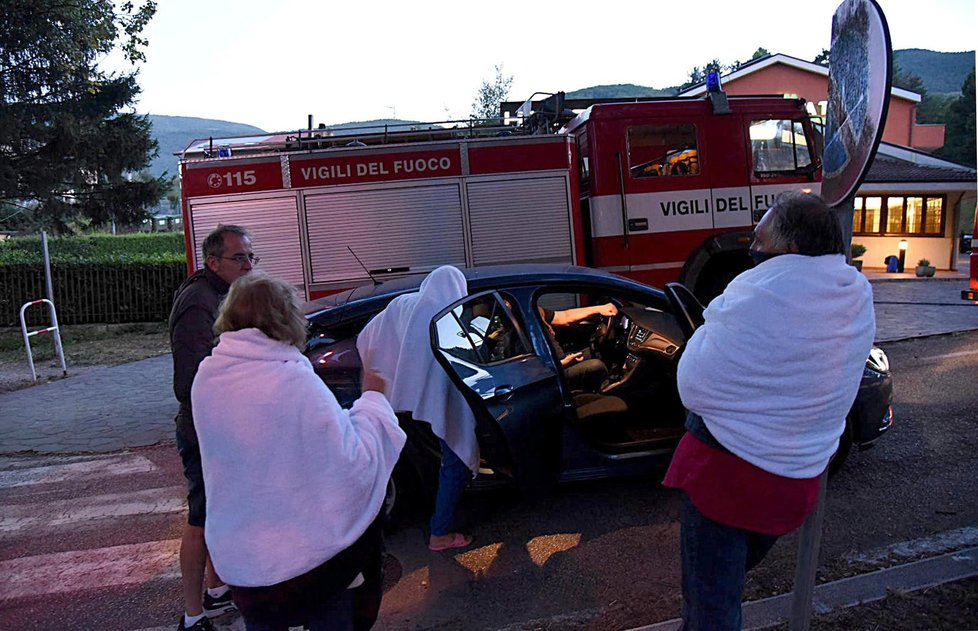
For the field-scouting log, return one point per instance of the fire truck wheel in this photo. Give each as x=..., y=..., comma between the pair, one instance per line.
x=718, y=273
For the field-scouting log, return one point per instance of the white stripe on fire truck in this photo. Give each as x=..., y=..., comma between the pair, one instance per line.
x=678, y=211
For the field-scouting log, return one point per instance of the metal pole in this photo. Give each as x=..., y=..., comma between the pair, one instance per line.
x=809, y=540
x=810, y=536
x=58, y=349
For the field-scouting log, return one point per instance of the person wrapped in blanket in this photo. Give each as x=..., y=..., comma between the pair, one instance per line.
x=295, y=484
x=396, y=345
x=768, y=380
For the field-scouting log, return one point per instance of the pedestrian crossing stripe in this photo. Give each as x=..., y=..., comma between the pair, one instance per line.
x=80, y=570
x=39, y=516
x=75, y=470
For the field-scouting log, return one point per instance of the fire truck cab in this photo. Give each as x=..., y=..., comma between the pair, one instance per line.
x=670, y=190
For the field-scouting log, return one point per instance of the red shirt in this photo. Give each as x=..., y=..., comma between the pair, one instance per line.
x=733, y=492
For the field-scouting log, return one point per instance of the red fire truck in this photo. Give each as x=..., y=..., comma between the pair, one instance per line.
x=657, y=190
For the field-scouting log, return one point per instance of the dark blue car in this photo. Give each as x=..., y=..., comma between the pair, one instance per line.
x=534, y=426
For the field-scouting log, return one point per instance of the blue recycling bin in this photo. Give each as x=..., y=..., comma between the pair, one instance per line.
x=892, y=263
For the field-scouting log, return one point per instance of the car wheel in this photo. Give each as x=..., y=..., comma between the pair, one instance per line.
x=845, y=446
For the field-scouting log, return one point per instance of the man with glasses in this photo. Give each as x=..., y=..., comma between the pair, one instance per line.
x=227, y=256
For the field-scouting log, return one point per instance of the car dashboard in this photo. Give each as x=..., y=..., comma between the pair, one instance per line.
x=651, y=332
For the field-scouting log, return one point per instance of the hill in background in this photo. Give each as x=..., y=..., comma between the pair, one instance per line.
x=942, y=73
x=619, y=91
x=174, y=133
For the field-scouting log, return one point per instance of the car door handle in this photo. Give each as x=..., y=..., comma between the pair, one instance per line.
x=502, y=391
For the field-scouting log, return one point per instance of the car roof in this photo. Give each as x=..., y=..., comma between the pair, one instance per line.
x=477, y=278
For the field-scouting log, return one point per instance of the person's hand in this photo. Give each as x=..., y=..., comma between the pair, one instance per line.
x=572, y=358
x=608, y=310
x=372, y=381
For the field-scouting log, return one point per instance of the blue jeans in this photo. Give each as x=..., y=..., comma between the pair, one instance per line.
x=715, y=559
x=333, y=613
x=452, y=478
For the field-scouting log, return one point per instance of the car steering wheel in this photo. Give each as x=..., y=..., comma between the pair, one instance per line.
x=688, y=310
x=604, y=333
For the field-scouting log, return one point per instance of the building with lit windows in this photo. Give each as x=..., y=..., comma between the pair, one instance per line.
x=908, y=195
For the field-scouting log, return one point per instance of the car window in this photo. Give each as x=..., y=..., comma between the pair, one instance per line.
x=481, y=331
x=779, y=146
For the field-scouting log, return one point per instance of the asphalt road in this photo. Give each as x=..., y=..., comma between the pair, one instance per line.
x=90, y=542
x=605, y=555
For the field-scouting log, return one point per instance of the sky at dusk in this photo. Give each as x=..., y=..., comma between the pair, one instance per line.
x=272, y=63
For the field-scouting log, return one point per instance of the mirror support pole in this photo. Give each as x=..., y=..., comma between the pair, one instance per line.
x=809, y=540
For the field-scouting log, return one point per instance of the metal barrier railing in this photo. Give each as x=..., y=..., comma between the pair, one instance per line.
x=58, y=348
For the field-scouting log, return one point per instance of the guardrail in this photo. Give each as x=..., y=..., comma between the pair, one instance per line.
x=58, y=348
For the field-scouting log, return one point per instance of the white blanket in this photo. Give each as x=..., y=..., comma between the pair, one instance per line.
x=291, y=477
x=775, y=368
x=396, y=345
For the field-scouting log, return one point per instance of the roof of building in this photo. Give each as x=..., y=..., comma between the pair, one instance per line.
x=887, y=169
x=769, y=60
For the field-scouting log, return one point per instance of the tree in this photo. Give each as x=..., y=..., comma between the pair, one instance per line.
x=68, y=142
x=959, y=133
x=490, y=95
x=822, y=58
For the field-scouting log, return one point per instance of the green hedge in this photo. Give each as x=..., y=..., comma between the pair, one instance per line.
x=154, y=248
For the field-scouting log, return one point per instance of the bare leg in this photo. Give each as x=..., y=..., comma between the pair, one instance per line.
x=193, y=558
x=210, y=574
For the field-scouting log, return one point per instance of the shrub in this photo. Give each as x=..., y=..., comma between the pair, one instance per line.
x=158, y=247
x=858, y=250
x=923, y=263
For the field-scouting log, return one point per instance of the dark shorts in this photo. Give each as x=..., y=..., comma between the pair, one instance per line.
x=196, y=501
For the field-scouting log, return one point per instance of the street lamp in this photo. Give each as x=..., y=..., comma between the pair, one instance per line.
x=903, y=255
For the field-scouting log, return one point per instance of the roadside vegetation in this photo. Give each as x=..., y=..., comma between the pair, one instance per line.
x=86, y=346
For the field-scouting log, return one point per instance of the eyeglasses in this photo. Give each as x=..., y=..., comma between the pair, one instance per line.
x=241, y=259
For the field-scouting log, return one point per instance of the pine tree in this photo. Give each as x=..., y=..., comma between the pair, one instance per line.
x=69, y=144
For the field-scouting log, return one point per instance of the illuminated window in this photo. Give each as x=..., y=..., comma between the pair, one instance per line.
x=894, y=215
x=873, y=206
x=915, y=210
x=905, y=215
x=662, y=150
x=935, y=215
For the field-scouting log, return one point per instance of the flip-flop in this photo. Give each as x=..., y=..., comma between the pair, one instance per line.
x=458, y=541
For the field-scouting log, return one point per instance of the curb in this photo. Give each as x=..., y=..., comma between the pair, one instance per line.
x=856, y=590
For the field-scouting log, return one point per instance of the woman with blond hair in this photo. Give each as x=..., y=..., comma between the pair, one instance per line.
x=294, y=482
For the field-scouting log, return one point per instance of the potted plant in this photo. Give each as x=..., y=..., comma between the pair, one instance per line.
x=857, y=250
x=924, y=268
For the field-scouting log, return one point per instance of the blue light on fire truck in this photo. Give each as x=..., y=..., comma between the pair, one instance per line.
x=713, y=82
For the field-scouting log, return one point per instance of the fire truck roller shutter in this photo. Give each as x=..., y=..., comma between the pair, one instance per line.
x=274, y=225
x=520, y=220
x=415, y=227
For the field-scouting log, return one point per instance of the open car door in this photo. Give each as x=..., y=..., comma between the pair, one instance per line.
x=514, y=393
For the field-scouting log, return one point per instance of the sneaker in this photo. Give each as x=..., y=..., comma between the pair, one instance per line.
x=204, y=624
x=219, y=606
